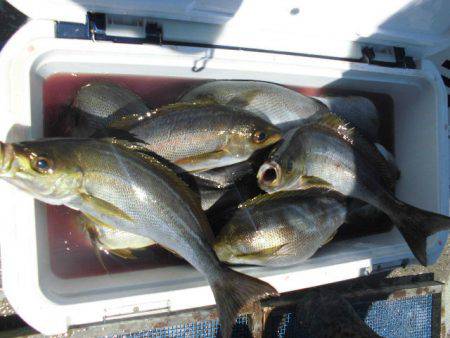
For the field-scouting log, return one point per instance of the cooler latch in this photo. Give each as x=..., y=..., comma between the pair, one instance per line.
x=387, y=57
x=112, y=27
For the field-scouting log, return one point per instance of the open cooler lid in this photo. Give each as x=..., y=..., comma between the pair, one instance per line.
x=317, y=27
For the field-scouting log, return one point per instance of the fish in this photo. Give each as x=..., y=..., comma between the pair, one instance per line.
x=200, y=136
x=322, y=313
x=224, y=177
x=327, y=153
x=132, y=192
x=390, y=161
x=112, y=240
x=285, y=107
x=279, y=105
x=210, y=196
x=98, y=105
x=358, y=110
x=281, y=229
x=224, y=200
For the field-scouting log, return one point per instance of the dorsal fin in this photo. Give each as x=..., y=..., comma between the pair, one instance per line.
x=128, y=121
x=307, y=193
x=348, y=133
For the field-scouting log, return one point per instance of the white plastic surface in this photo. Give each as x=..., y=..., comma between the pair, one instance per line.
x=319, y=27
x=51, y=304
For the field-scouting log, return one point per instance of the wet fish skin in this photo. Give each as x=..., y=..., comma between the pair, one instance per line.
x=132, y=193
x=285, y=107
x=281, y=229
x=224, y=177
x=327, y=153
x=358, y=110
x=203, y=136
x=277, y=104
x=113, y=240
x=97, y=105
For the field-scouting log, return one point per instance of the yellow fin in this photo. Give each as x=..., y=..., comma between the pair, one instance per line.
x=269, y=252
x=89, y=226
x=269, y=197
x=91, y=221
x=306, y=193
x=307, y=182
x=202, y=157
x=128, y=121
x=123, y=253
x=199, y=102
x=103, y=207
x=335, y=123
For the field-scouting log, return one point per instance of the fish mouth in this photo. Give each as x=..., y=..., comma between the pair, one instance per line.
x=6, y=157
x=269, y=175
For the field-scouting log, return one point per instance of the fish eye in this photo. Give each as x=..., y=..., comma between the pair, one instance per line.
x=259, y=136
x=42, y=165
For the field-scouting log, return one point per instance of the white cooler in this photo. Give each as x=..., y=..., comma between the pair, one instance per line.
x=370, y=46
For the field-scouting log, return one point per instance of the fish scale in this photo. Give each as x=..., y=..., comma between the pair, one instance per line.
x=201, y=136
x=324, y=152
x=133, y=193
x=281, y=229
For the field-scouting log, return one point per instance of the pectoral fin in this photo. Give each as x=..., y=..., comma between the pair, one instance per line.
x=307, y=182
x=96, y=221
x=122, y=253
x=269, y=252
x=213, y=155
x=103, y=207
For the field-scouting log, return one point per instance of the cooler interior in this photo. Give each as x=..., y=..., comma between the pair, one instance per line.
x=69, y=272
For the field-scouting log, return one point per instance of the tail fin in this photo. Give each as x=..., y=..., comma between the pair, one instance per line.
x=416, y=225
x=233, y=291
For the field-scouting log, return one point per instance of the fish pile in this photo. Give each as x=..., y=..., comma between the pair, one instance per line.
x=234, y=172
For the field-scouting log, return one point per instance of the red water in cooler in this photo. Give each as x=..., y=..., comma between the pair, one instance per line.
x=71, y=253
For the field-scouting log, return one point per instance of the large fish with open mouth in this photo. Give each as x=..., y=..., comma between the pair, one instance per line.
x=327, y=153
x=134, y=193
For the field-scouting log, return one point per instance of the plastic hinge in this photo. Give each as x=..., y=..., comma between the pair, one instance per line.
x=400, y=59
x=115, y=28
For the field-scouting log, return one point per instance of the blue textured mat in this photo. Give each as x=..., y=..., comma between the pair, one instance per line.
x=408, y=318
x=403, y=318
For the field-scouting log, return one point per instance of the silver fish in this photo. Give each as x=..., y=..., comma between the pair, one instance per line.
x=224, y=177
x=285, y=107
x=281, y=229
x=133, y=193
x=97, y=105
x=201, y=136
x=281, y=106
x=112, y=240
x=327, y=153
x=358, y=110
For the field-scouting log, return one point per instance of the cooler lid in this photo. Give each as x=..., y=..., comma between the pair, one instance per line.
x=288, y=25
